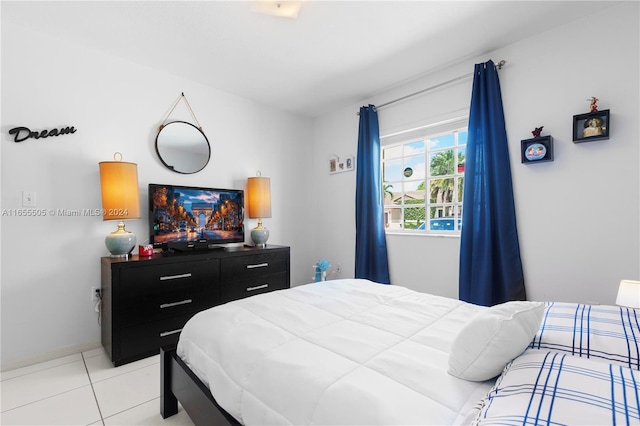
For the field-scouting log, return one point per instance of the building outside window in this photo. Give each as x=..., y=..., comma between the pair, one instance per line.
x=423, y=175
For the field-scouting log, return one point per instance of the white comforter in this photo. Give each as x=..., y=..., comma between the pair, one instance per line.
x=338, y=352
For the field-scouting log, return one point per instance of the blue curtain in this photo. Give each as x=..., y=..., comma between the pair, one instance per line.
x=371, y=244
x=490, y=264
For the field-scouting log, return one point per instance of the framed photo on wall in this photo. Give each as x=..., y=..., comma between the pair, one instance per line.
x=333, y=164
x=591, y=126
x=336, y=165
x=537, y=150
x=349, y=163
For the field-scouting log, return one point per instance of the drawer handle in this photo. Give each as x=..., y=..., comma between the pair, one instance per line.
x=169, y=333
x=175, y=277
x=169, y=305
x=258, y=265
x=258, y=287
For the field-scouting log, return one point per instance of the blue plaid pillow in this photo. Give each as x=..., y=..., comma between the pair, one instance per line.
x=554, y=388
x=601, y=332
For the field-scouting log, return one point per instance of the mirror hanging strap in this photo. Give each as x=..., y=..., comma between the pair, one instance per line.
x=181, y=97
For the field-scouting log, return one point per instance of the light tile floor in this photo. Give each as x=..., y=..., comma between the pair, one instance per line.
x=85, y=389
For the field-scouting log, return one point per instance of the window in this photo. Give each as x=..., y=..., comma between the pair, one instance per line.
x=423, y=171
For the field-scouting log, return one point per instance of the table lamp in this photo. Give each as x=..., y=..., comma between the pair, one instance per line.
x=259, y=206
x=629, y=294
x=120, y=200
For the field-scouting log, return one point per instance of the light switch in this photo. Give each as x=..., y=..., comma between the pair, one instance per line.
x=28, y=199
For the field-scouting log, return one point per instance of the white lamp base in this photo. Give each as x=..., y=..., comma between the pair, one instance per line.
x=121, y=242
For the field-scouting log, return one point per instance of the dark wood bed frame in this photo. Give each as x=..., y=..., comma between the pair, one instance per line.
x=179, y=383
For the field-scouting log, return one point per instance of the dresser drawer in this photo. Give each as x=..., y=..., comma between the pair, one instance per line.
x=239, y=289
x=171, y=304
x=169, y=283
x=147, y=338
x=245, y=267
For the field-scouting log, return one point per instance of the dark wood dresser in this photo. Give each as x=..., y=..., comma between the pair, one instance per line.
x=147, y=300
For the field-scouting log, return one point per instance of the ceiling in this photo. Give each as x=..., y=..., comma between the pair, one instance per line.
x=334, y=53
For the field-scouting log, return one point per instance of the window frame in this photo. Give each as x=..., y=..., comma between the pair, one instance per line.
x=426, y=133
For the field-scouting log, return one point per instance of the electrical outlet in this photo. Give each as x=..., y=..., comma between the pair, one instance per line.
x=339, y=268
x=95, y=293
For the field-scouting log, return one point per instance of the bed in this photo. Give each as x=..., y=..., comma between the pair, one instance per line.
x=355, y=352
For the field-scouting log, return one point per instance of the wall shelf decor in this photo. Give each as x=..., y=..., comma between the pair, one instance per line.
x=591, y=126
x=538, y=149
x=338, y=166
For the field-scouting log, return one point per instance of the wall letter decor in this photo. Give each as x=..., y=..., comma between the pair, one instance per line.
x=24, y=133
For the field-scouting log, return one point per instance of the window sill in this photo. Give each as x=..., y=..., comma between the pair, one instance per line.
x=423, y=234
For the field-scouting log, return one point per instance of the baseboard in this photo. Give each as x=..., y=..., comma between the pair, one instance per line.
x=72, y=350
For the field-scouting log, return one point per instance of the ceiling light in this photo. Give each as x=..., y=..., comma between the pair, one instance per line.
x=284, y=9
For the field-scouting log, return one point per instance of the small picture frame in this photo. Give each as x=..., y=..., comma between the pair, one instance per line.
x=349, y=163
x=537, y=150
x=333, y=164
x=591, y=126
x=338, y=166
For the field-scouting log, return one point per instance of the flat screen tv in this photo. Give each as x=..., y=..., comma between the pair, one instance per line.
x=183, y=218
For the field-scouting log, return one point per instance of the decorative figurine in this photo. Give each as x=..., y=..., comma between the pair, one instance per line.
x=536, y=132
x=593, y=104
x=320, y=269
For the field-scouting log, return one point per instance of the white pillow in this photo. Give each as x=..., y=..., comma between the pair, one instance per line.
x=493, y=338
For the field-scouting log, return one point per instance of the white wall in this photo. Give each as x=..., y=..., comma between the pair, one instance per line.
x=50, y=263
x=578, y=216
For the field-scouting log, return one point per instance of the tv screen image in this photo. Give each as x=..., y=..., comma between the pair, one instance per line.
x=187, y=217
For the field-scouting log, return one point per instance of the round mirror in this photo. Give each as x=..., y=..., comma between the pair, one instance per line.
x=182, y=147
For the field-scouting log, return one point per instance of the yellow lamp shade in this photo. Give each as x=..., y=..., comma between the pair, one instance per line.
x=259, y=197
x=120, y=193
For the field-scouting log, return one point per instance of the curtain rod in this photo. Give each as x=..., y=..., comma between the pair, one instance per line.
x=499, y=65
